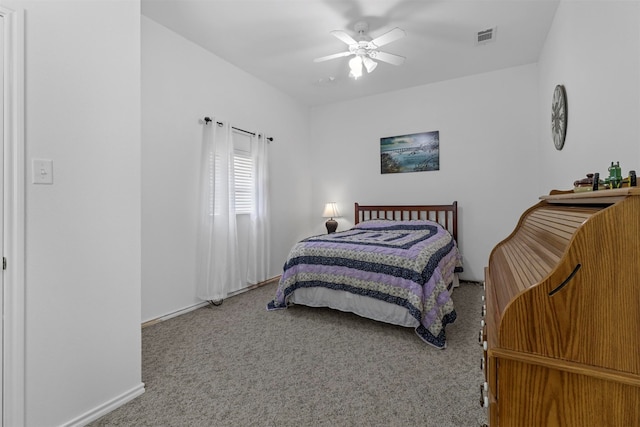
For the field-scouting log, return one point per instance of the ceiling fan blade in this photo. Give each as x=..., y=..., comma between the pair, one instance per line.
x=387, y=57
x=388, y=37
x=343, y=37
x=335, y=55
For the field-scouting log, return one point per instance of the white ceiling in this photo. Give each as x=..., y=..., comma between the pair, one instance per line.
x=277, y=40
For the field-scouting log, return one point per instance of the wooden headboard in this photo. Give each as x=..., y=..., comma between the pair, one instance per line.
x=445, y=215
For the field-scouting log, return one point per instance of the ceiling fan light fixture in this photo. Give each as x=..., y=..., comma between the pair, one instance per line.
x=364, y=49
x=369, y=64
x=355, y=64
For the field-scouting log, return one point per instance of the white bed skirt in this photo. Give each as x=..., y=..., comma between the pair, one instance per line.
x=364, y=306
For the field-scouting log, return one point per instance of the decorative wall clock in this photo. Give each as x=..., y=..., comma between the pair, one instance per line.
x=559, y=116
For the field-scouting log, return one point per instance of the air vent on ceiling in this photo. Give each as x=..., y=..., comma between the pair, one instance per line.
x=486, y=36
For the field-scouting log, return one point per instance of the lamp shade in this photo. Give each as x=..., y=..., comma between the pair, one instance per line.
x=331, y=210
x=369, y=64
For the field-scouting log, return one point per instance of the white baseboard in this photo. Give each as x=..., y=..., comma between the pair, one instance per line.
x=174, y=314
x=106, y=407
x=203, y=303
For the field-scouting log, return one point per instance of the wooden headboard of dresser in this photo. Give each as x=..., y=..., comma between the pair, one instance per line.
x=445, y=215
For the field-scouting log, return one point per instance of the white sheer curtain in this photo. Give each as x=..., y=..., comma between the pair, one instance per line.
x=217, y=249
x=259, y=229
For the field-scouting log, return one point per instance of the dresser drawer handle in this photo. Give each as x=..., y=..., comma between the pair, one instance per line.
x=484, y=399
x=562, y=285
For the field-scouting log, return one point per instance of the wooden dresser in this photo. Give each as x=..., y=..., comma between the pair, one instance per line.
x=561, y=326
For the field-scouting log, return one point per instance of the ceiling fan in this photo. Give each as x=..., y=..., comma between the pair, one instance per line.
x=365, y=49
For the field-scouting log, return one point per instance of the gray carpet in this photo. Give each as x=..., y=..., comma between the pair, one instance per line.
x=240, y=365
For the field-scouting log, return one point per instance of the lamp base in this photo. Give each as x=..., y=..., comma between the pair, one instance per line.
x=332, y=225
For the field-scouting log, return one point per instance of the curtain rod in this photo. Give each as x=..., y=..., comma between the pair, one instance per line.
x=245, y=131
x=208, y=120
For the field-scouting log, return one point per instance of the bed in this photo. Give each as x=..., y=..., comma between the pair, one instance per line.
x=397, y=264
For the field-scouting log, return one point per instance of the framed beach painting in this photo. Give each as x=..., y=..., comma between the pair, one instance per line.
x=416, y=152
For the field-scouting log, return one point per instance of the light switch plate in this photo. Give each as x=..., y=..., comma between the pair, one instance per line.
x=42, y=171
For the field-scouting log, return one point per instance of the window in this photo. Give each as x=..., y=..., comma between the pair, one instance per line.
x=243, y=185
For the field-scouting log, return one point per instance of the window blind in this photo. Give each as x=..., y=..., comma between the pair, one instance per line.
x=243, y=173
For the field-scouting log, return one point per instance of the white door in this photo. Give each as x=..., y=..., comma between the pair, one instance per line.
x=12, y=214
x=2, y=80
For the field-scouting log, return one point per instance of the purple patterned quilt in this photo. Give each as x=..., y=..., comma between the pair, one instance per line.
x=407, y=263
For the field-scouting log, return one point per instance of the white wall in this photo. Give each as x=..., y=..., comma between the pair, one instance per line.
x=82, y=291
x=593, y=49
x=181, y=84
x=488, y=156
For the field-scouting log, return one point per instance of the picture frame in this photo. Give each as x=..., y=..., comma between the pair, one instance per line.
x=416, y=152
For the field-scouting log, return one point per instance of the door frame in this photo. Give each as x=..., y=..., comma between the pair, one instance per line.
x=13, y=245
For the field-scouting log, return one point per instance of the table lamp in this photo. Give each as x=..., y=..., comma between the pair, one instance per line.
x=331, y=211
